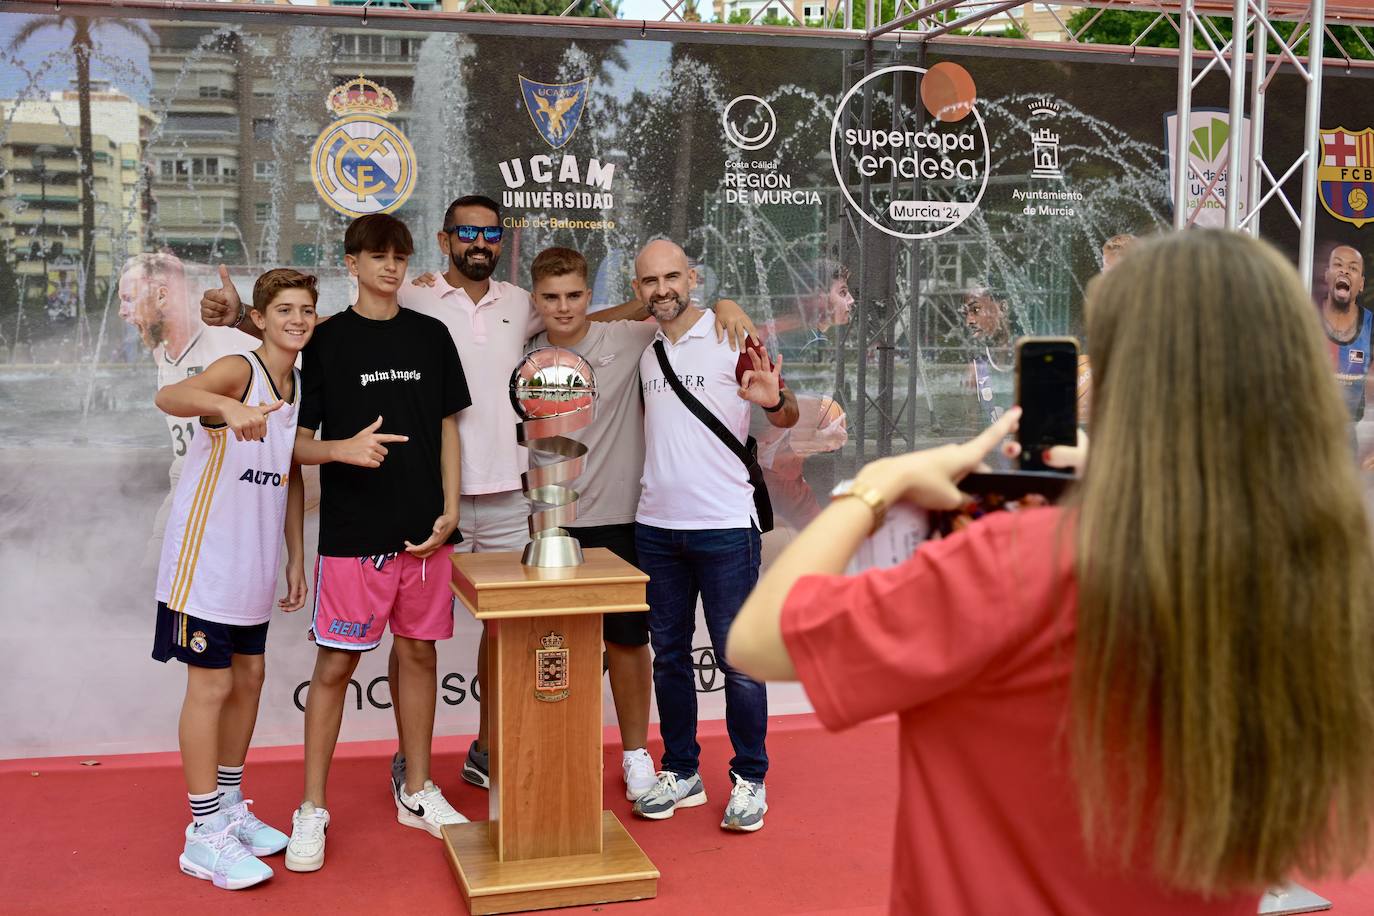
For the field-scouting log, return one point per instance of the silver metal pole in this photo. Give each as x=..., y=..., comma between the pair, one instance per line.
x=1240, y=14
x=1184, y=109
x=1253, y=172
x=1312, y=143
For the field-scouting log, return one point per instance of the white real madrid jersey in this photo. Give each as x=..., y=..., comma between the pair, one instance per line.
x=208, y=345
x=223, y=542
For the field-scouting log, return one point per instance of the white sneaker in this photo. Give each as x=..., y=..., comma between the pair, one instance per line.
x=305, y=851
x=747, y=806
x=214, y=854
x=426, y=809
x=638, y=767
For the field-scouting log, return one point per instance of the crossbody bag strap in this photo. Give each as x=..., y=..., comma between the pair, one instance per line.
x=699, y=410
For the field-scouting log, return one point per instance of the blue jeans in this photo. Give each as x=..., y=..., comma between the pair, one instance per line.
x=721, y=565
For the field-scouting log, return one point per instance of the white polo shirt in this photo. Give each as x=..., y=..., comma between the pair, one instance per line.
x=691, y=480
x=490, y=336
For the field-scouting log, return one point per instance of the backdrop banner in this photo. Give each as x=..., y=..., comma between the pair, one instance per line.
x=891, y=258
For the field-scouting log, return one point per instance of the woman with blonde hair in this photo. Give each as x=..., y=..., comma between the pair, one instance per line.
x=1158, y=697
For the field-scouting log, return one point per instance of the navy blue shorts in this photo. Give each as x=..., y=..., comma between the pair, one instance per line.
x=630, y=628
x=204, y=643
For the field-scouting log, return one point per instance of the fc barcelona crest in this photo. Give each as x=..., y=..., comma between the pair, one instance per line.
x=361, y=163
x=1347, y=174
x=551, y=669
x=555, y=108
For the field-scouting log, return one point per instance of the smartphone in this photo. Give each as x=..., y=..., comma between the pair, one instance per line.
x=1047, y=393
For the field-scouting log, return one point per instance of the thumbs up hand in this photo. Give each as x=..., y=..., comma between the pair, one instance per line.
x=220, y=307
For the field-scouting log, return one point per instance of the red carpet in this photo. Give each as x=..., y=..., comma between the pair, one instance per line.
x=826, y=847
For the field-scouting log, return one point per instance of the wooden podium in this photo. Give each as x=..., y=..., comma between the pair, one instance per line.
x=547, y=842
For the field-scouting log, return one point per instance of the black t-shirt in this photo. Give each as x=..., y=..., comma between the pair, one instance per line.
x=405, y=370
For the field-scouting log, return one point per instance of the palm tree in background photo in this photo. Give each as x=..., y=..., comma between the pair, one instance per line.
x=83, y=33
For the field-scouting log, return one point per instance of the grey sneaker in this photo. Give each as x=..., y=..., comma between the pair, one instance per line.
x=398, y=775
x=475, y=767
x=670, y=793
x=748, y=804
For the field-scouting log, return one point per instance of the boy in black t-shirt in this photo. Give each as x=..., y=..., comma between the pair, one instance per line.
x=388, y=505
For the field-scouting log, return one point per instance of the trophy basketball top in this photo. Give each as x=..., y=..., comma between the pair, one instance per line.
x=553, y=391
x=552, y=382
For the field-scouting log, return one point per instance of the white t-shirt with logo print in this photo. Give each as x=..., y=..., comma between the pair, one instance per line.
x=693, y=481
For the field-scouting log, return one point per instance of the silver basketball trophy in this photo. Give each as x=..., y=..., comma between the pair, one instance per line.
x=552, y=390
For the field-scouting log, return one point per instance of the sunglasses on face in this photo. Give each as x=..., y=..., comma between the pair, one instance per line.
x=492, y=234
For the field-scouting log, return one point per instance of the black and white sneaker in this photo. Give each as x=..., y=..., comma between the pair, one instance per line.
x=475, y=767
x=427, y=810
x=398, y=775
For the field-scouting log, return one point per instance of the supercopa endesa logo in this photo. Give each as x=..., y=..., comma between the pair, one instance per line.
x=911, y=176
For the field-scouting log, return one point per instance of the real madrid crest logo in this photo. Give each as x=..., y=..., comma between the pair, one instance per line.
x=198, y=642
x=361, y=163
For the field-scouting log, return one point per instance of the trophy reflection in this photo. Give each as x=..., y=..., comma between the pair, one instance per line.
x=553, y=391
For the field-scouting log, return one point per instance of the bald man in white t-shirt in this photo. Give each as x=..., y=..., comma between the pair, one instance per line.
x=697, y=531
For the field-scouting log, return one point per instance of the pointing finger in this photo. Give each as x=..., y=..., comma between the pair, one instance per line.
x=389, y=437
x=268, y=408
x=991, y=437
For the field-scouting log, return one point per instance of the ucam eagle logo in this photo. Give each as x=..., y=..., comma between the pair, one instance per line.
x=1346, y=174
x=555, y=108
x=556, y=180
x=362, y=163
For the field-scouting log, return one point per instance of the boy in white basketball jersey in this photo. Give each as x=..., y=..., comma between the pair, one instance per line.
x=239, y=492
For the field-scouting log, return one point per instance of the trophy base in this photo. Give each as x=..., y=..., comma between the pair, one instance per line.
x=552, y=552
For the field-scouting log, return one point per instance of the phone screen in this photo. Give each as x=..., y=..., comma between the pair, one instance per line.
x=1046, y=391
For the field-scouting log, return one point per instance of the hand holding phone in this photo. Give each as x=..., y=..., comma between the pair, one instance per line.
x=1047, y=393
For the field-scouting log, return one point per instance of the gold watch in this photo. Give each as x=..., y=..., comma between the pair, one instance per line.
x=867, y=495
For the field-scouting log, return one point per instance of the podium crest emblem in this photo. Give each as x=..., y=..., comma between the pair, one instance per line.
x=362, y=163
x=551, y=669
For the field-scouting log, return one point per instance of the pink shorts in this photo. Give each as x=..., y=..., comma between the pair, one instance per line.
x=356, y=596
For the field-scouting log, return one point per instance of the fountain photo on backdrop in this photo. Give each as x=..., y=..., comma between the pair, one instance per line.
x=866, y=253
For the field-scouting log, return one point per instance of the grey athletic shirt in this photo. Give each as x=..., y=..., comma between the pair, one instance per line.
x=609, y=487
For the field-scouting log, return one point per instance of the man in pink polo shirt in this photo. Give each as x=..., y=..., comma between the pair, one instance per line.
x=697, y=531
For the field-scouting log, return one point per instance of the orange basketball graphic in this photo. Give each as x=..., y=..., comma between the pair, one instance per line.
x=948, y=92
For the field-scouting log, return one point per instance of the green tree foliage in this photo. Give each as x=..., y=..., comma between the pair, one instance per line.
x=587, y=8
x=1121, y=27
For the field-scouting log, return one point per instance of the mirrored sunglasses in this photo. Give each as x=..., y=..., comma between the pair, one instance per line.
x=492, y=234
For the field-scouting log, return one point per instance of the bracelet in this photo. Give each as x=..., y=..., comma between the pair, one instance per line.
x=782, y=402
x=243, y=311
x=866, y=495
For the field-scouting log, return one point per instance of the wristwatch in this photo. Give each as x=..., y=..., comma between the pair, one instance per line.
x=867, y=495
